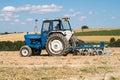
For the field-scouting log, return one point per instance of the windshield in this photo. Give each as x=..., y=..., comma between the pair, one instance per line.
x=66, y=25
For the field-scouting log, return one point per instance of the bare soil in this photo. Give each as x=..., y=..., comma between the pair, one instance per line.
x=104, y=67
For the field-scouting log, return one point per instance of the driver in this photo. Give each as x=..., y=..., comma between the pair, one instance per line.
x=58, y=27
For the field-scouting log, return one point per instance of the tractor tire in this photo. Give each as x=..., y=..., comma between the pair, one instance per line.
x=72, y=41
x=25, y=51
x=36, y=52
x=57, y=45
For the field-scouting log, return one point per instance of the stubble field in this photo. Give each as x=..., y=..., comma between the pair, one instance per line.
x=14, y=67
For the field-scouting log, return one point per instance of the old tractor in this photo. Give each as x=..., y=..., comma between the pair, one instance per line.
x=58, y=40
x=56, y=37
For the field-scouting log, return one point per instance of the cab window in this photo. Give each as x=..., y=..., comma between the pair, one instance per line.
x=46, y=26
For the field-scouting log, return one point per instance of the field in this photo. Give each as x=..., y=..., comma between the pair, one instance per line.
x=95, y=29
x=97, y=38
x=99, y=33
x=12, y=37
x=89, y=35
x=105, y=67
x=14, y=67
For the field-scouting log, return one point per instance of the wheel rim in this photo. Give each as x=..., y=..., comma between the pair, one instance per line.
x=56, y=46
x=25, y=52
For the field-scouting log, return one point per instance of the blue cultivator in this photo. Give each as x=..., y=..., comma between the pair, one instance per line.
x=88, y=49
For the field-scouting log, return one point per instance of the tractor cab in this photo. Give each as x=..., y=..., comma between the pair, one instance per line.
x=56, y=25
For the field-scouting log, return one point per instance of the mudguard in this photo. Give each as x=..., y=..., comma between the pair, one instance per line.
x=66, y=33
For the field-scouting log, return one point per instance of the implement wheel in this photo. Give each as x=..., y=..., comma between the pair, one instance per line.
x=25, y=51
x=57, y=45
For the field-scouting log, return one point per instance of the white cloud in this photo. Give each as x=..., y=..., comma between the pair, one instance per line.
x=71, y=10
x=8, y=9
x=16, y=20
x=23, y=23
x=82, y=18
x=16, y=16
x=33, y=8
x=72, y=13
x=8, y=16
x=30, y=19
x=91, y=12
x=45, y=8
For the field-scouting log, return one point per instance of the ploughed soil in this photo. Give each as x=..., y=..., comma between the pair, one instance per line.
x=104, y=67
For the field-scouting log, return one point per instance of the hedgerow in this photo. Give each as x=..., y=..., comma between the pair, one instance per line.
x=114, y=43
x=11, y=46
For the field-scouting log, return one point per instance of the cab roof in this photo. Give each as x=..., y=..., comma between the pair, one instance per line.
x=66, y=19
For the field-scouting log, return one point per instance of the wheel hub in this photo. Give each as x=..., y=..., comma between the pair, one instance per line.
x=56, y=45
x=25, y=52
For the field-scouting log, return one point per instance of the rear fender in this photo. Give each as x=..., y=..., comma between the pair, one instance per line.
x=66, y=33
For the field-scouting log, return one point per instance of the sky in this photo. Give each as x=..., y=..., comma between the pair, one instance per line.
x=20, y=15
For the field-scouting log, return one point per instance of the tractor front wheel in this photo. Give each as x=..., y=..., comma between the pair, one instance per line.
x=57, y=45
x=25, y=51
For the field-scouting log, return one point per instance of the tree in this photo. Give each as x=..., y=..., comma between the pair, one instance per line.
x=84, y=27
x=112, y=40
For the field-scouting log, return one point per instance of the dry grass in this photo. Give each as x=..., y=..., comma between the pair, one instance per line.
x=12, y=37
x=20, y=37
x=14, y=67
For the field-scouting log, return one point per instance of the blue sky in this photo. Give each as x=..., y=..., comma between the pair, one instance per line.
x=19, y=15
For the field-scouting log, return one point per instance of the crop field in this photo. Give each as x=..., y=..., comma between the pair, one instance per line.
x=100, y=33
x=94, y=29
x=12, y=37
x=105, y=67
x=96, y=38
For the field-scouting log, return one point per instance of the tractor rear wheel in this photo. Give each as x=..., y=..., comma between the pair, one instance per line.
x=72, y=41
x=25, y=51
x=57, y=45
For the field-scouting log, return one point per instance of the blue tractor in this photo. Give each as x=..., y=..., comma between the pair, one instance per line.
x=56, y=37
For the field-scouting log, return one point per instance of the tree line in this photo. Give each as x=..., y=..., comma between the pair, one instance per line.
x=11, y=46
x=114, y=43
